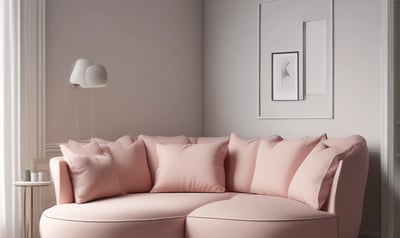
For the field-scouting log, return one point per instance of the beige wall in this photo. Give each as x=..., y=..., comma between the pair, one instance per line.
x=230, y=81
x=152, y=50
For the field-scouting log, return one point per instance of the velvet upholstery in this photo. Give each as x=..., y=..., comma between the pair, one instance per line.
x=191, y=168
x=313, y=180
x=151, y=151
x=132, y=215
x=277, y=162
x=131, y=163
x=199, y=215
x=241, y=161
x=248, y=215
x=93, y=177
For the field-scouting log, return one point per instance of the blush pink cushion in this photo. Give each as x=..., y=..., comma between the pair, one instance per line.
x=132, y=165
x=277, y=162
x=75, y=148
x=241, y=161
x=313, y=180
x=151, y=151
x=61, y=180
x=126, y=140
x=93, y=177
x=190, y=168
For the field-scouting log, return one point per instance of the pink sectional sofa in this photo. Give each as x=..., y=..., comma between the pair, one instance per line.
x=268, y=188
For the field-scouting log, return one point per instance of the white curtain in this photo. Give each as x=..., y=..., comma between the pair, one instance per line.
x=10, y=221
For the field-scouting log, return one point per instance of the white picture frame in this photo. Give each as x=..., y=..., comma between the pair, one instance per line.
x=308, y=31
x=285, y=76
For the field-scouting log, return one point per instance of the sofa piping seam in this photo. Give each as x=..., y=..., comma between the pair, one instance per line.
x=259, y=220
x=117, y=221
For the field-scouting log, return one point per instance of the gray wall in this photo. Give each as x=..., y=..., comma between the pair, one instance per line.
x=230, y=81
x=152, y=50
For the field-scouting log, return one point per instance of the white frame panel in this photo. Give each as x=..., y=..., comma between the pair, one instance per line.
x=329, y=115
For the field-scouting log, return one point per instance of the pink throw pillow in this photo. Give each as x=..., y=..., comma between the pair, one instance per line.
x=277, y=162
x=190, y=168
x=131, y=163
x=241, y=161
x=313, y=180
x=126, y=140
x=75, y=148
x=151, y=151
x=93, y=177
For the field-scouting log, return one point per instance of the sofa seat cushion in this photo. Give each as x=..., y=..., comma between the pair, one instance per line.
x=144, y=214
x=248, y=215
x=134, y=207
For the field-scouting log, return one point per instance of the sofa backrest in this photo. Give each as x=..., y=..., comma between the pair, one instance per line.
x=347, y=192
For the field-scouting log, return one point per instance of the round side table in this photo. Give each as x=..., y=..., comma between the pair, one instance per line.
x=29, y=185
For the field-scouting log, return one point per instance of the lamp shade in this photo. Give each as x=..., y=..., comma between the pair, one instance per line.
x=78, y=72
x=96, y=76
x=85, y=74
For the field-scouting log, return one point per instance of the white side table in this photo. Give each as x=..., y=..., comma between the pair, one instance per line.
x=28, y=226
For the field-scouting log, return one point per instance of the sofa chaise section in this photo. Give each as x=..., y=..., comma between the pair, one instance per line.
x=260, y=216
x=132, y=215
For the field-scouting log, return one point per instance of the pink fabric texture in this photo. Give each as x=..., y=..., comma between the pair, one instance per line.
x=151, y=151
x=253, y=207
x=126, y=140
x=131, y=163
x=61, y=180
x=313, y=180
x=136, y=207
x=75, y=148
x=190, y=168
x=260, y=216
x=93, y=177
x=277, y=162
x=348, y=188
x=241, y=160
x=138, y=215
x=214, y=215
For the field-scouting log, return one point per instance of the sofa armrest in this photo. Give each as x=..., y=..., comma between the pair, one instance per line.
x=62, y=181
x=347, y=192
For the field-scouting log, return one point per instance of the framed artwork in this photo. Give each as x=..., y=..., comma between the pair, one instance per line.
x=295, y=59
x=285, y=76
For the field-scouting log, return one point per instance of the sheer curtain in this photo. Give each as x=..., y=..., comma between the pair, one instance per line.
x=10, y=224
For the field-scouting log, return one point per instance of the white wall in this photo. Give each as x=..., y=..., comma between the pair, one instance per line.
x=152, y=50
x=230, y=81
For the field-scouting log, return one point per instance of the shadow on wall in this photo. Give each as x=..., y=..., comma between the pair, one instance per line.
x=372, y=200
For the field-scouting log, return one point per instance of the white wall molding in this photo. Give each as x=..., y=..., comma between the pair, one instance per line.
x=32, y=88
x=389, y=178
x=32, y=79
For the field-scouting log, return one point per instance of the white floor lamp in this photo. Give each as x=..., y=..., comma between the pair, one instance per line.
x=86, y=74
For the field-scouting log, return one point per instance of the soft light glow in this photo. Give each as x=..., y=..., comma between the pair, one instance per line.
x=78, y=72
x=96, y=76
x=85, y=74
